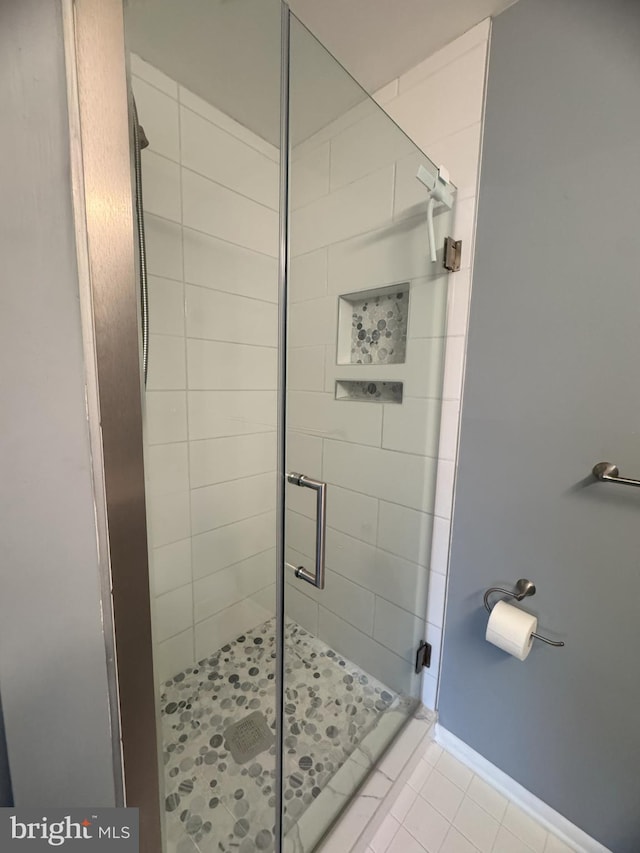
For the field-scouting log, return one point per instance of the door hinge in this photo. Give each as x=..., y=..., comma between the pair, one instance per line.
x=423, y=656
x=452, y=254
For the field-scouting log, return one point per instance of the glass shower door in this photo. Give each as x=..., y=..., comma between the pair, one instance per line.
x=366, y=325
x=207, y=85
x=365, y=316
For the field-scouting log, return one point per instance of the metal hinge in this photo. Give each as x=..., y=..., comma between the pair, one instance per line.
x=452, y=254
x=423, y=656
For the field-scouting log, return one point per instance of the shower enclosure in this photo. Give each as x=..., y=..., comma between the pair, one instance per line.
x=290, y=418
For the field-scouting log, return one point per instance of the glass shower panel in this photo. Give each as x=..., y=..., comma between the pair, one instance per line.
x=366, y=326
x=207, y=86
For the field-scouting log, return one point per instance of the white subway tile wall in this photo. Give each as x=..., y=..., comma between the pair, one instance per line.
x=358, y=224
x=212, y=247
x=388, y=524
x=210, y=196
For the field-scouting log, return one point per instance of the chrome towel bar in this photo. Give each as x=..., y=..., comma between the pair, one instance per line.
x=607, y=472
x=524, y=588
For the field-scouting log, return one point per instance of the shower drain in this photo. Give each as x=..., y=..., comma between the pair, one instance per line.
x=248, y=737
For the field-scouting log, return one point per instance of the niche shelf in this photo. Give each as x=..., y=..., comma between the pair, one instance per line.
x=372, y=326
x=370, y=391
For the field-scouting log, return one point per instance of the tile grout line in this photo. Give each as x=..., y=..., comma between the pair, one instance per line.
x=186, y=368
x=466, y=796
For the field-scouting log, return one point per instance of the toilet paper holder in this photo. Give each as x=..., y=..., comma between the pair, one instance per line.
x=523, y=589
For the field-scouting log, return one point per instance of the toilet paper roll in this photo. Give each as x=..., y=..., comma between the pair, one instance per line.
x=510, y=629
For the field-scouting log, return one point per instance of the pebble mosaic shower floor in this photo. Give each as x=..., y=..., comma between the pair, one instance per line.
x=214, y=803
x=379, y=328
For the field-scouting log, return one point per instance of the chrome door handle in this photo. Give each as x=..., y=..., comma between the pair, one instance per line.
x=320, y=488
x=608, y=472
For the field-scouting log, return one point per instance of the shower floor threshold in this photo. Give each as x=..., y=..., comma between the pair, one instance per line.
x=338, y=721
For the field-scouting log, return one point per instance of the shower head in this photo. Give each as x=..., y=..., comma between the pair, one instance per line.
x=139, y=136
x=143, y=142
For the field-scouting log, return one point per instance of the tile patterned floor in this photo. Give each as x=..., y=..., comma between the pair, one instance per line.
x=446, y=808
x=216, y=804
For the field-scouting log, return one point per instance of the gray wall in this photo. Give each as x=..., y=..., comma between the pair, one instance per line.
x=52, y=654
x=551, y=388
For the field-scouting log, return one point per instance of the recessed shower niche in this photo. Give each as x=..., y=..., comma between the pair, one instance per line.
x=372, y=326
x=379, y=392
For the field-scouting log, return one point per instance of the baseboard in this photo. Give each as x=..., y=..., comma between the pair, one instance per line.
x=552, y=820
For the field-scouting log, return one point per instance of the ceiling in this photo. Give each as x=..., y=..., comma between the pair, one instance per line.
x=377, y=40
x=228, y=51
x=225, y=51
